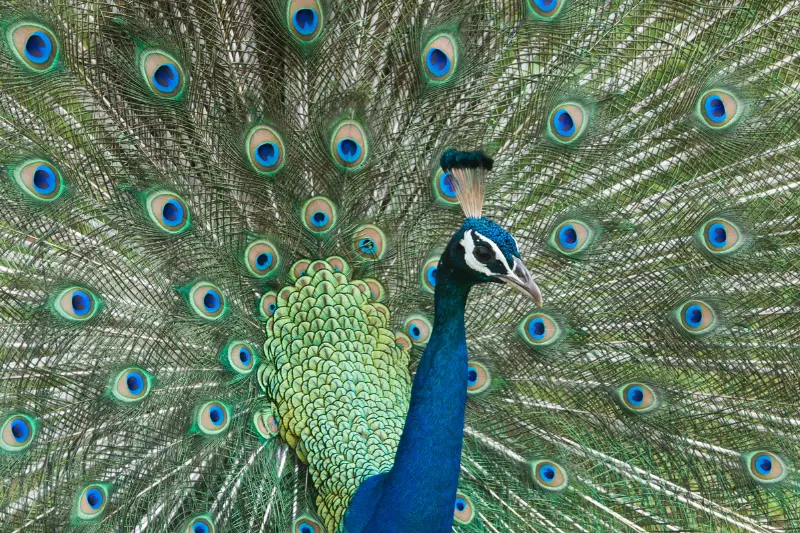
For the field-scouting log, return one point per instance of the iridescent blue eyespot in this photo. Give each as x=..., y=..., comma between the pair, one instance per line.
x=718, y=108
x=207, y=300
x=638, y=397
x=418, y=328
x=463, y=510
x=478, y=378
x=571, y=237
x=439, y=58
x=17, y=433
x=201, y=524
x=566, y=122
x=349, y=145
x=39, y=179
x=549, y=475
x=539, y=329
x=92, y=501
x=319, y=214
x=131, y=385
x=262, y=258
x=697, y=317
x=239, y=356
x=720, y=236
x=765, y=467
x=163, y=73
x=267, y=154
x=305, y=21
x=33, y=45
x=169, y=211
x=349, y=150
x=267, y=305
x=305, y=523
x=545, y=8
x=370, y=242
x=76, y=304
x=213, y=418
x=429, y=271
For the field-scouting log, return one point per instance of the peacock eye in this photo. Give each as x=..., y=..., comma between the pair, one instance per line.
x=349, y=145
x=549, y=475
x=17, y=433
x=439, y=58
x=266, y=423
x=267, y=305
x=697, y=317
x=319, y=215
x=305, y=19
x=213, y=418
x=168, y=211
x=638, y=397
x=718, y=108
x=262, y=258
x=131, y=385
x=571, y=236
x=201, y=524
x=76, y=304
x=765, y=467
x=307, y=524
x=369, y=242
x=40, y=180
x=567, y=123
x=92, y=501
x=239, y=356
x=34, y=45
x=418, y=328
x=163, y=73
x=463, y=510
x=482, y=254
x=207, y=301
x=478, y=378
x=539, y=329
x=265, y=150
x=545, y=8
x=720, y=236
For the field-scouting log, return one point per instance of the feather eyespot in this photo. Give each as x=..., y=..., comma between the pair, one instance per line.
x=268, y=304
x=163, y=73
x=418, y=328
x=201, y=524
x=549, y=475
x=369, y=242
x=299, y=269
x=439, y=58
x=444, y=188
x=718, y=108
x=305, y=523
x=402, y=341
x=567, y=122
x=539, y=329
x=17, y=433
x=262, y=258
x=349, y=145
x=478, y=378
x=638, y=397
x=168, y=211
x=720, y=236
x=76, y=303
x=265, y=150
x=697, y=317
x=428, y=274
x=463, y=510
x=304, y=19
x=131, y=385
x=40, y=180
x=34, y=46
x=239, y=356
x=339, y=265
x=545, y=8
x=319, y=215
x=376, y=292
x=213, y=418
x=92, y=501
x=207, y=300
x=765, y=467
x=571, y=237
x=266, y=423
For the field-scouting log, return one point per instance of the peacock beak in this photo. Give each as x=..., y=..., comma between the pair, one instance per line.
x=520, y=280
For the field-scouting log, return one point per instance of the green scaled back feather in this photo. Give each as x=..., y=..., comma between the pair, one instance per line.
x=162, y=166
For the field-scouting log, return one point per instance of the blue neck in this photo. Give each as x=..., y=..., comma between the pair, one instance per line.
x=418, y=494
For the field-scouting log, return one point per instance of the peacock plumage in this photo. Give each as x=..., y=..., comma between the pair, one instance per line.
x=246, y=285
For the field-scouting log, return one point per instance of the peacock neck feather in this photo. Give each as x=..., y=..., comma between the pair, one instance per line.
x=419, y=492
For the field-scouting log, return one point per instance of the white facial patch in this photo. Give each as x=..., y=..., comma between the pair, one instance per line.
x=468, y=242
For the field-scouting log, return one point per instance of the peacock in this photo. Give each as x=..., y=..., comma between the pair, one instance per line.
x=308, y=266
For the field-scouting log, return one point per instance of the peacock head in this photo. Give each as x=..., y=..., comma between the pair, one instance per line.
x=481, y=251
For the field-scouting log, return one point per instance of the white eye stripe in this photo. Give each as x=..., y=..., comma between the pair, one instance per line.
x=468, y=242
